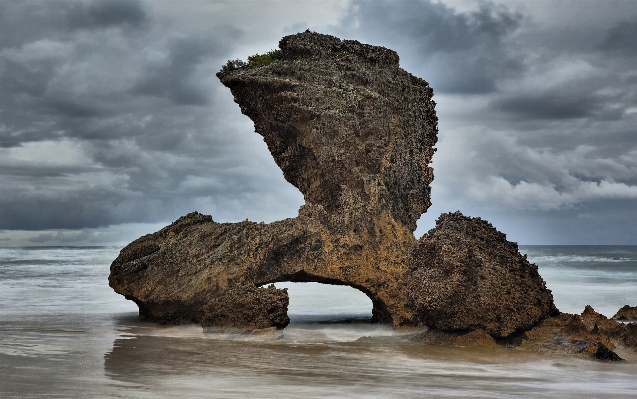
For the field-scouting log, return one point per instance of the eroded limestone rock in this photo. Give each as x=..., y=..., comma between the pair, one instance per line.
x=590, y=335
x=627, y=312
x=472, y=339
x=623, y=334
x=465, y=275
x=355, y=134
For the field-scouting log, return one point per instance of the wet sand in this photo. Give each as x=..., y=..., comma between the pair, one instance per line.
x=133, y=359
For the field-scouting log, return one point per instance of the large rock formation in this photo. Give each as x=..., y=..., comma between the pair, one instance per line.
x=465, y=275
x=355, y=134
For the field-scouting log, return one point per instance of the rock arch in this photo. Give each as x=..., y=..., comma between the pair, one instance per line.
x=380, y=312
x=355, y=134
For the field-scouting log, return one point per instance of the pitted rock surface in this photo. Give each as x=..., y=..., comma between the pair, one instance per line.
x=349, y=128
x=465, y=275
x=355, y=134
x=627, y=312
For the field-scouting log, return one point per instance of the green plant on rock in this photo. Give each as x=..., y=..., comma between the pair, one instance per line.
x=231, y=65
x=258, y=60
x=254, y=61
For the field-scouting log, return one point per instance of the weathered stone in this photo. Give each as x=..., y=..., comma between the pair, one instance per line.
x=355, y=134
x=627, y=312
x=623, y=334
x=464, y=274
x=629, y=339
x=171, y=276
x=598, y=322
x=603, y=353
x=590, y=335
x=571, y=334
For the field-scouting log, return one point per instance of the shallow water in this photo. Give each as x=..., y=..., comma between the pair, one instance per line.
x=65, y=334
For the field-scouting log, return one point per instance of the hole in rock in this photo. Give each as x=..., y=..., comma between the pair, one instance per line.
x=326, y=303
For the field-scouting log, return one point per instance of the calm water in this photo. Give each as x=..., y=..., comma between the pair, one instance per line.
x=65, y=334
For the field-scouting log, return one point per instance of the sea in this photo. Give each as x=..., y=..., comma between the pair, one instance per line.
x=65, y=334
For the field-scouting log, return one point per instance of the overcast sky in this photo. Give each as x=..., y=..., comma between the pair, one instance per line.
x=113, y=123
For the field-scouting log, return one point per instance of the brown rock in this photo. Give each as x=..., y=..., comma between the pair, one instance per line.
x=623, y=334
x=568, y=334
x=629, y=339
x=349, y=128
x=626, y=313
x=598, y=322
x=476, y=338
x=355, y=134
x=464, y=274
x=473, y=339
x=603, y=353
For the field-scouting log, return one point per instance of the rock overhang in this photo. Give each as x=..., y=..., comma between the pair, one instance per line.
x=355, y=134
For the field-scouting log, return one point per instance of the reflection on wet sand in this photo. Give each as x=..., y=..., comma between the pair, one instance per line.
x=355, y=359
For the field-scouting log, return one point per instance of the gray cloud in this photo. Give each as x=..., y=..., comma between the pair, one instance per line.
x=111, y=113
x=107, y=126
x=436, y=26
x=172, y=77
x=29, y=20
x=456, y=52
x=620, y=39
x=99, y=84
x=45, y=237
x=548, y=105
x=106, y=13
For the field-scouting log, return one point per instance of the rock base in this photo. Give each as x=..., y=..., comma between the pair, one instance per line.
x=589, y=335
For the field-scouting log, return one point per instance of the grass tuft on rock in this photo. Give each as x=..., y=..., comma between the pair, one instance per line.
x=254, y=61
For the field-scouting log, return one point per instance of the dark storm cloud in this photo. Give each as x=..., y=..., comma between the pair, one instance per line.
x=29, y=20
x=457, y=52
x=496, y=51
x=36, y=171
x=436, y=27
x=73, y=108
x=574, y=81
x=549, y=106
x=172, y=78
x=24, y=77
x=100, y=77
x=106, y=13
x=620, y=39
